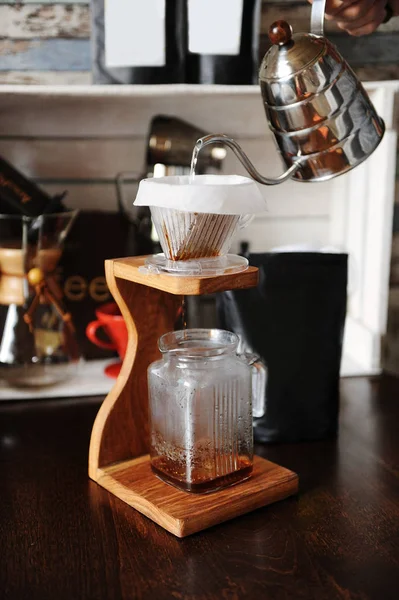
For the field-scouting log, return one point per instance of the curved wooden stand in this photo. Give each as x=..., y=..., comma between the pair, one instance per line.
x=118, y=458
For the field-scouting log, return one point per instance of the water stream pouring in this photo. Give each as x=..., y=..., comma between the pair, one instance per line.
x=318, y=111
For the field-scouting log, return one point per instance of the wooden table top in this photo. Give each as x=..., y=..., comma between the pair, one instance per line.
x=64, y=538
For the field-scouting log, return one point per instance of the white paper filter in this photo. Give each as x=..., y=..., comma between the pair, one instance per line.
x=198, y=219
x=212, y=194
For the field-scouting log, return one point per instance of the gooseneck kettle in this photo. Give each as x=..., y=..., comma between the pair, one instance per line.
x=320, y=115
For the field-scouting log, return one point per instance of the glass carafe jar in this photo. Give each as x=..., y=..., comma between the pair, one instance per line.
x=200, y=411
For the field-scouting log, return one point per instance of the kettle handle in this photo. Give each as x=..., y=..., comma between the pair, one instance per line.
x=317, y=17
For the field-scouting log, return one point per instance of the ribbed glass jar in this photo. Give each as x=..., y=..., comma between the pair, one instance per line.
x=200, y=411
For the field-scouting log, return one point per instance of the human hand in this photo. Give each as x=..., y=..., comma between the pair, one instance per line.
x=359, y=17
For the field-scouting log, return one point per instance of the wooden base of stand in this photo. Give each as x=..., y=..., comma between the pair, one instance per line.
x=184, y=513
x=118, y=459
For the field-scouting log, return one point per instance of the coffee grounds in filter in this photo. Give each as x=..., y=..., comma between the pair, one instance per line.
x=186, y=236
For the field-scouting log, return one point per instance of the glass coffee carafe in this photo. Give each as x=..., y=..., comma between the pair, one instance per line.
x=38, y=344
x=200, y=411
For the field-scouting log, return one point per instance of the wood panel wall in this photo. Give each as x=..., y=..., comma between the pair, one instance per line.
x=49, y=42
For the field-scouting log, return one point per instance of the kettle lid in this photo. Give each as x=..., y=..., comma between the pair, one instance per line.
x=290, y=53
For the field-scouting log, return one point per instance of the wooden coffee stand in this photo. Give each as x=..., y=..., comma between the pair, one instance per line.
x=118, y=455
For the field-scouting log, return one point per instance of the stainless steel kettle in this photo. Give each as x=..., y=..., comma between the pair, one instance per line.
x=318, y=111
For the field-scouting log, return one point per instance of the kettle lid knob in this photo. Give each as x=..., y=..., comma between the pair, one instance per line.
x=280, y=33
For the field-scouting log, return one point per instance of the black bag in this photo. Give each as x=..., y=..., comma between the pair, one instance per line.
x=172, y=72
x=294, y=320
x=241, y=69
x=182, y=66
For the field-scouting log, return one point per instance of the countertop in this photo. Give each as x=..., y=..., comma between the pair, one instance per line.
x=64, y=538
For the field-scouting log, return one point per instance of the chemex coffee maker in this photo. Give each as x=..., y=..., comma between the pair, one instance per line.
x=38, y=345
x=174, y=429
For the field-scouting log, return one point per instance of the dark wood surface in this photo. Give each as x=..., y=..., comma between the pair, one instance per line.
x=64, y=538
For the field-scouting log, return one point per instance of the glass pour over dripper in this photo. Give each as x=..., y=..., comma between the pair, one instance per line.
x=196, y=220
x=38, y=344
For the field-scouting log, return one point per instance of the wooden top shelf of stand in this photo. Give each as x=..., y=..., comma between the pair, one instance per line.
x=128, y=269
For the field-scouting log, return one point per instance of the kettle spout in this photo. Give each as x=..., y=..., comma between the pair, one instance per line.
x=221, y=138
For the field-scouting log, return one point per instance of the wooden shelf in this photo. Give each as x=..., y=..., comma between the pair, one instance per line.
x=128, y=269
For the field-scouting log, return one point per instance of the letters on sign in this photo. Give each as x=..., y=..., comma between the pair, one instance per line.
x=76, y=288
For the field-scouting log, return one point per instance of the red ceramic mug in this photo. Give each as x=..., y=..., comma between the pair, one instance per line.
x=110, y=319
